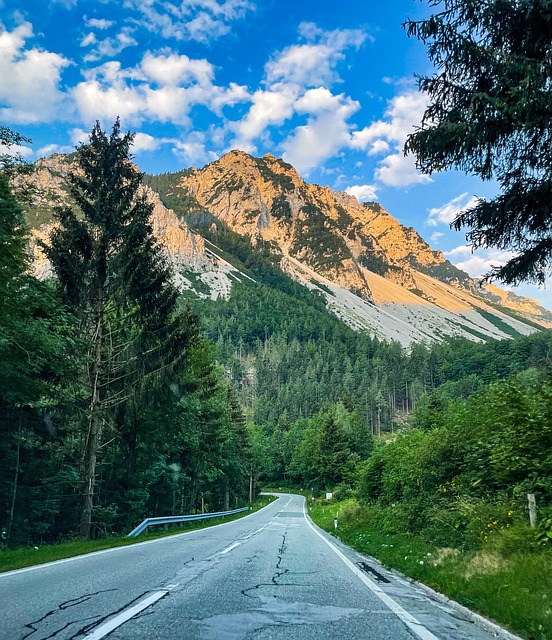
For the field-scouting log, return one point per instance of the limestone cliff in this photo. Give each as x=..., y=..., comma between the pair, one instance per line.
x=185, y=249
x=331, y=232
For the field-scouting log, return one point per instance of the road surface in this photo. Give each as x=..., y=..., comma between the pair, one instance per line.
x=271, y=575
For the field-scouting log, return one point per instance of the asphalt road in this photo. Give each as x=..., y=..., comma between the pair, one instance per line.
x=271, y=575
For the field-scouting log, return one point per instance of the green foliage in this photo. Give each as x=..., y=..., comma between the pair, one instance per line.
x=463, y=480
x=172, y=196
x=489, y=115
x=519, y=572
x=280, y=209
x=317, y=239
x=373, y=262
x=281, y=180
x=105, y=364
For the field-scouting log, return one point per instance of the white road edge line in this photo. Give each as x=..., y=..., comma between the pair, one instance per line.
x=409, y=620
x=44, y=565
x=109, y=626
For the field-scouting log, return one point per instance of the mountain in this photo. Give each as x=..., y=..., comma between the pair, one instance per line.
x=374, y=273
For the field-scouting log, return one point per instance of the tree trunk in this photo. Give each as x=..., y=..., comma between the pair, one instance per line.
x=227, y=497
x=15, y=483
x=94, y=432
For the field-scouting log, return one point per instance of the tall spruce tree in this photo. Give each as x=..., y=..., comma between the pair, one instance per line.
x=490, y=115
x=115, y=278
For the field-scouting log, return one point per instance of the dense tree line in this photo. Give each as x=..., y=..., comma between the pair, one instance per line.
x=112, y=408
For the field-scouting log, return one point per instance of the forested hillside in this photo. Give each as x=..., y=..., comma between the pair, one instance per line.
x=112, y=407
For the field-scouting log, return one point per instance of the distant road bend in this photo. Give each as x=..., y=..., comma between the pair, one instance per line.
x=272, y=575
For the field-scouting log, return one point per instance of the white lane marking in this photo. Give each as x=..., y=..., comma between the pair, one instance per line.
x=109, y=626
x=44, y=565
x=409, y=620
x=228, y=549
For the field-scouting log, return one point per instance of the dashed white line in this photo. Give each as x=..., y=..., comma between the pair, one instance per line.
x=108, y=627
x=228, y=549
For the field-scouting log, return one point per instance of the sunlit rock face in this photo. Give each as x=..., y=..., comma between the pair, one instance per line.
x=376, y=275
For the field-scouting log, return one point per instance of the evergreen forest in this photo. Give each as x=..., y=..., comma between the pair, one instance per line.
x=122, y=398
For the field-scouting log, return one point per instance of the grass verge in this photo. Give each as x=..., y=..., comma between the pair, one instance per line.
x=28, y=556
x=513, y=589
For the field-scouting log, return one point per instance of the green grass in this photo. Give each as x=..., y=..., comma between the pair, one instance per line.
x=28, y=556
x=515, y=590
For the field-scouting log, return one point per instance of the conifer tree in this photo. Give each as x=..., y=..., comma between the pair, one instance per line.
x=490, y=115
x=113, y=275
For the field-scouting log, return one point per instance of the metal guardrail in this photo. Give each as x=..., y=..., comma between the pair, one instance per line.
x=148, y=522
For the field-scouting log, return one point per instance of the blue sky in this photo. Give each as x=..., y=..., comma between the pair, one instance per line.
x=327, y=86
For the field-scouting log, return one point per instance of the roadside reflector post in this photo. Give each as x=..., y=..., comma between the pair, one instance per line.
x=532, y=509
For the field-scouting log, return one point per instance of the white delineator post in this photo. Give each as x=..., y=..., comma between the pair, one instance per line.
x=532, y=509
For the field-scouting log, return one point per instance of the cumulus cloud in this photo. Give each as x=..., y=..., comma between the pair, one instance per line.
x=109, y=47
x=446, y=213
x=161, y=88
x=477, y=263
x=199, y=20
x=297, y=80
x=176, y=69
x=397, y=170
x=96, y=23
x=49, y=149
x=193, y=150
x=16, y=150
x=362, y=192
x=313, y=63
x=326, y=131
x=145, y=142
x=403, y=113
x=268, y=108
x=79, y=136
x=32, y=94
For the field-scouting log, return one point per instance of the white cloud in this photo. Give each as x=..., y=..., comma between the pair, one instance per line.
x=112, y=46
x=326, y=131
x=477, y=263
x=172, y=70
x=88, y=40
x=16, y=150
x=396, y=170
x=199, y=20
x=446, y=213
x=378, y=146
x=79, y=136
x=481, y=261
x=403, y=113
x=436, y=236
x=49, y=149
x=268, y=108
x=297, y=80
x=95, y=100
x=313, y=64
x=145, y=142
x=193, y=151
x=95, y=23
x=161, y=88
x=362, y=192
x=30, y=90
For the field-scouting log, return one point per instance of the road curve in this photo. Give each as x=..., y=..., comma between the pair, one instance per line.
x=271, y=575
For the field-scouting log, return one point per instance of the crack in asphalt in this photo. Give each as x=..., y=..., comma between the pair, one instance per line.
x=73, y=602
x=97, y=623
x=280, y=571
